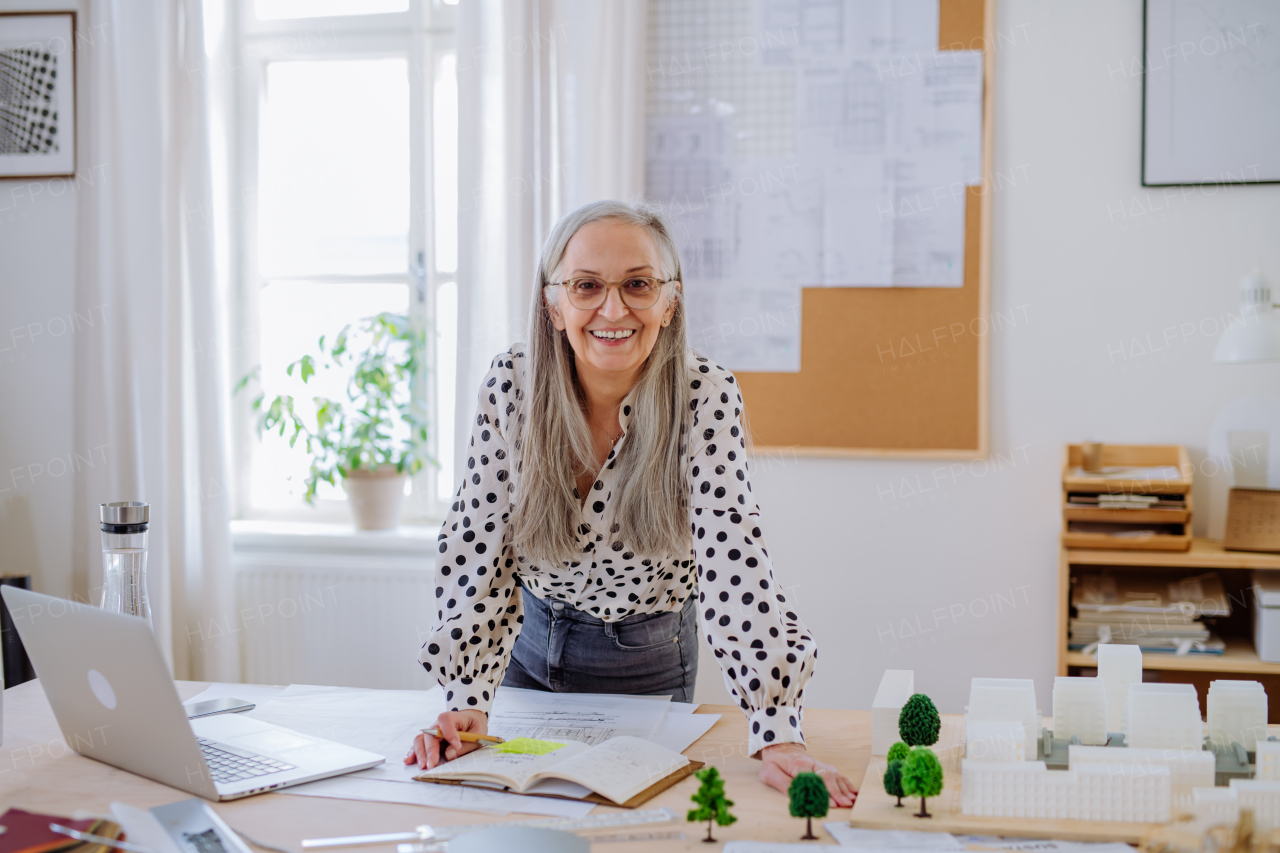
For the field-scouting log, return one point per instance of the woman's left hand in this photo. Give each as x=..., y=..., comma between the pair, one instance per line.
x=783, y=761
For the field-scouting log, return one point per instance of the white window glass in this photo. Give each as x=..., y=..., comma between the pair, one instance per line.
x=294, y=314
x=445, y=146
x=446, y=384
x=334, y=168
x=267, y=10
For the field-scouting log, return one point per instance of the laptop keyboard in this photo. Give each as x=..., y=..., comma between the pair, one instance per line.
x=228, y=764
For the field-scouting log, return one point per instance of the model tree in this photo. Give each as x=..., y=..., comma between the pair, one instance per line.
x=809, y=799
x=711, y=802
x=919, y=723
x=922, y=777
x=893, y=780
x=898, y=752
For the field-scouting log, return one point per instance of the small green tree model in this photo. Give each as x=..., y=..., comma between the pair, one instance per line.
x=919, y=722
x=893, y=780
x=898, y=752
x=922, y=777
x=809, y=799
x=711, y=802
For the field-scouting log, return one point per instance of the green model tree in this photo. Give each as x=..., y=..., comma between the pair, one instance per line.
x=919, y=723
x=893, y=780
x=922, y=777
x=898, y=752
x=711, y=802
x=809, y=799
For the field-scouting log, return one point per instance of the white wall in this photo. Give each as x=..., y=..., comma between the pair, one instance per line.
x=37, y=269
x=1085, y=261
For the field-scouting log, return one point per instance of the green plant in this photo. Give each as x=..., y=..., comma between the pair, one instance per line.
x=919, y=723
x=809, y=799
x=710, y=801
x=922, y=776
x=893, y=780
x=378, y=424
x=898, y=752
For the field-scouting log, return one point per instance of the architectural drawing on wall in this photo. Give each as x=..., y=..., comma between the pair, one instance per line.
x=830, y=144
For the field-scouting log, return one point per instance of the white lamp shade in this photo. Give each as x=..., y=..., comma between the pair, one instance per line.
x=1255, y=335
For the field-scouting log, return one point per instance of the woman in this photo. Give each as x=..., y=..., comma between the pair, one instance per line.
x=606, y=487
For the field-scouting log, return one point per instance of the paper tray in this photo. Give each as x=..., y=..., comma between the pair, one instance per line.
x=638, y=800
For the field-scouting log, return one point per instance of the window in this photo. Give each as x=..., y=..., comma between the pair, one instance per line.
x=347, y=169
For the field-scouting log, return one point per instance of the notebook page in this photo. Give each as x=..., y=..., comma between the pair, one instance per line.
x=619, y=768
x=486, y=764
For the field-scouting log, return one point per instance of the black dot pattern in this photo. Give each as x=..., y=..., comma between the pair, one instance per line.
x=763, y=647
x=28, y=114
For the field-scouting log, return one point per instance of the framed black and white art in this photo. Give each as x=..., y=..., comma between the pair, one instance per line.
x=37, y=94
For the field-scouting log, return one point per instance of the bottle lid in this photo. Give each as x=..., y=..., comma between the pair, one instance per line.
x=125, y=516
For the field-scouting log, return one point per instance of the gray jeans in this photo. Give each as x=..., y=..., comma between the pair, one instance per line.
x=565, y=650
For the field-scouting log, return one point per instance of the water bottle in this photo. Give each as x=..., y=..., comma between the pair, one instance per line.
x=124, y=558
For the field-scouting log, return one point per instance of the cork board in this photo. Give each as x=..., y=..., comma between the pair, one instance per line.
x=895, y=371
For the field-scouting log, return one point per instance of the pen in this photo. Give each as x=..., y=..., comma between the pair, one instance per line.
x=466, y=736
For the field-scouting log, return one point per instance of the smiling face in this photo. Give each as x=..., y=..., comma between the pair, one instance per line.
x=612, y=341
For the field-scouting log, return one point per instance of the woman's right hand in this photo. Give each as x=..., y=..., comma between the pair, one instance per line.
x=426, y=748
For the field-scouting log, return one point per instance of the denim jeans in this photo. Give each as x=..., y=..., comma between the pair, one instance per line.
x=565, y=650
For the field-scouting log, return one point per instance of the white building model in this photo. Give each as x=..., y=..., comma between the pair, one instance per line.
x=1080, y=710
x=896, y=687
x=1162, y=767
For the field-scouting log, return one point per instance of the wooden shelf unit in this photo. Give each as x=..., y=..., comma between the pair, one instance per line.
x=1239, y=659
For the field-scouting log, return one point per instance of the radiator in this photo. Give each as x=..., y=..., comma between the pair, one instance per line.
x=350, y=620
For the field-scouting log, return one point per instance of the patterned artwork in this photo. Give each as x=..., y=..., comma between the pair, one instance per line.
x=37, y=94
x=28, y=103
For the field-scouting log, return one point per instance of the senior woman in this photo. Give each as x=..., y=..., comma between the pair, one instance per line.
x=605, y=520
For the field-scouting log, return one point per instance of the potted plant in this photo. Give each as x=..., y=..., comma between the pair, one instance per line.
x=373, y=440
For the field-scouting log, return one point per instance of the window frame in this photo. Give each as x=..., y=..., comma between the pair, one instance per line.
x=424, y=36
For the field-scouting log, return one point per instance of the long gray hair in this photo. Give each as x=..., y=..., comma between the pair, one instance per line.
x=553, y=440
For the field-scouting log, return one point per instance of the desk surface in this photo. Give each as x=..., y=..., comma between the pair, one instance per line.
x=38, y=773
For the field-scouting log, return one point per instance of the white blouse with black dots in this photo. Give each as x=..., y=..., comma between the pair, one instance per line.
x=763, y=647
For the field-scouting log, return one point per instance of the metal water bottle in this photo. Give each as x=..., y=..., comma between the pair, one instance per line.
x=124, y=558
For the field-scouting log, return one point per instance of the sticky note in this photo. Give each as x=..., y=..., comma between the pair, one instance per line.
x=527, y=746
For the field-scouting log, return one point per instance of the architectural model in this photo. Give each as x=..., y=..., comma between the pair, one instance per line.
x=1080, y=710
x=896, y=687
x=1131, y=751
x=1119, y=665
x=1006, y=700
x=1164, y=716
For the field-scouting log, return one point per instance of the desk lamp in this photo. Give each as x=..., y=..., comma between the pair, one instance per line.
x=1257, y=338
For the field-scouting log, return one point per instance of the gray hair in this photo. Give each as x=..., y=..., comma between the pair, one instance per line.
x=553, y=439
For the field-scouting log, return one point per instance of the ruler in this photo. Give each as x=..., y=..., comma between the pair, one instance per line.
x=611, y=820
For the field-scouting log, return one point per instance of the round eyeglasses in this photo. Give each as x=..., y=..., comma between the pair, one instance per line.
x=638, y=292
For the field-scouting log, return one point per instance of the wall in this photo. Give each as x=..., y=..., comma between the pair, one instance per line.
x=37, y=270
x=952, y=571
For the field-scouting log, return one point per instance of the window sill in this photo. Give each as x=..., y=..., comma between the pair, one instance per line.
x=294, y=537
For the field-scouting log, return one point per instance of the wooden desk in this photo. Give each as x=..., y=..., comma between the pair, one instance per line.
x=38, y=773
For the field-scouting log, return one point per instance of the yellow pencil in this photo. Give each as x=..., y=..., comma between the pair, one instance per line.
x=466, y=736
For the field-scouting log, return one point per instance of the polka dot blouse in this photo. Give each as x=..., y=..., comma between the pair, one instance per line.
x=763, y=648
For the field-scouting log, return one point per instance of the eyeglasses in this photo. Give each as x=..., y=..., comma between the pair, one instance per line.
x=640, y=292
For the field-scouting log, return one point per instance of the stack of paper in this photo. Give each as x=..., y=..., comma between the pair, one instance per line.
x=1155, y=614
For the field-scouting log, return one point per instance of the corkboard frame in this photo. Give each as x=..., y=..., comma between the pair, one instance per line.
x=928, y=400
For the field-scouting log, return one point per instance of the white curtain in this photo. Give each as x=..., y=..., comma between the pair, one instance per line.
x=551, y=97
x=149, y=375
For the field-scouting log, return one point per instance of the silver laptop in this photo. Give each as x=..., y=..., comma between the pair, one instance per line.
x=115, y=702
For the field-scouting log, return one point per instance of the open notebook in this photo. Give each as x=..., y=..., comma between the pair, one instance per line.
x=622, y=771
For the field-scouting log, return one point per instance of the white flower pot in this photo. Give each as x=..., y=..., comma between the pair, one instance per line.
x=375, y=496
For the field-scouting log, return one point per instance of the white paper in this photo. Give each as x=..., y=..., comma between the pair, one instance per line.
x=682, y=707
x=776, y=847
x=745, y=324
x=438, y=796
x=591, y=718
x=678, y=732
x=793, y=31
x=890, y=839
x=1044, y=845
x=259, y=694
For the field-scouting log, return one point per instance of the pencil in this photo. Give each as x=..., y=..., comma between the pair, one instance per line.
x=467, y=736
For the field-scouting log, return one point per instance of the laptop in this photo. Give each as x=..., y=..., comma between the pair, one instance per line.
x=115, y=702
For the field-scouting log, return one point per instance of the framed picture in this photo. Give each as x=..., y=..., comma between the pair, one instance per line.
x=37, y=94
x=1211, y=90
